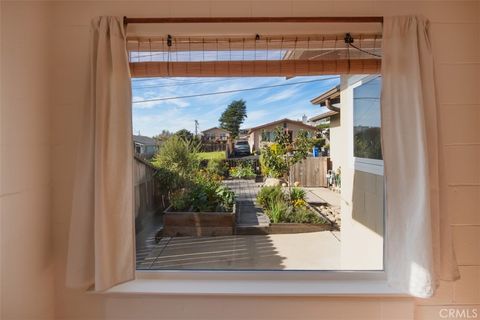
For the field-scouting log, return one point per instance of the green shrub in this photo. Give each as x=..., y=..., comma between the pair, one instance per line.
x=204, y=195
x=218, y=167
x=169, y=181
x=273, y=162
x=178, y=155
x=277, y=158
x=226, y=197
x=267, y=196
x=277, y=211
x=297, y=194
x=242, y=171
x=180, y=200
x=302, y=215
x=281, y=208
x=297, y=197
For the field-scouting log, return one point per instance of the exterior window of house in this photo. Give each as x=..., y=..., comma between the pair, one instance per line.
x=366, y=120
x=138, y=148
x=268, y=136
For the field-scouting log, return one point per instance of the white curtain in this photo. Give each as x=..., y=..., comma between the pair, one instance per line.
x=101, y=245
x=418, y=238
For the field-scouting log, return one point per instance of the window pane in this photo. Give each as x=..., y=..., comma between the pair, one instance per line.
x=366, y=120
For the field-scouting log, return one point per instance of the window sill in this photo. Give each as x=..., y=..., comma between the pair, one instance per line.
x=258, y=283
x=368, y=165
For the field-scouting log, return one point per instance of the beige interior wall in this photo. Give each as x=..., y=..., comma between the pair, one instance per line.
x=27, y=277
x=39, y=131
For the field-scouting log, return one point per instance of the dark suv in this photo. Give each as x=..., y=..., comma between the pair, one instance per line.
x=241, y=148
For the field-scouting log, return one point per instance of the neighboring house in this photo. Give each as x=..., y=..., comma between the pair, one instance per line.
x=215, y=134
x=265, y=133
x=144, y=147
x=243, y=134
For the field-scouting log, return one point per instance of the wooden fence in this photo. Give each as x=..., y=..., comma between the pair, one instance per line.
x=311, y=172
x=148, y=199
x=212, y=147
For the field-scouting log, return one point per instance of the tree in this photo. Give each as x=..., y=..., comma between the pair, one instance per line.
x=184, y=134
x=233, y=117
x=277, y=158
x=164, y=135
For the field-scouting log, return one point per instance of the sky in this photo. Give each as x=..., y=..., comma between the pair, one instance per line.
x=265, y=105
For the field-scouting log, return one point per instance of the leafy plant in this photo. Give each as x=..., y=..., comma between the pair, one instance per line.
x=178, y=155
x=303, y=215
x=180, y=200
x=281, y=208
x=218, y=167
x=226, y=197
x=297, y=194
x=169, y=181
x=204, y=195
x=278, y=211
x=277, y=158
x=273, y=161
x=242, y=171
x=267, y=196
x=297, y=197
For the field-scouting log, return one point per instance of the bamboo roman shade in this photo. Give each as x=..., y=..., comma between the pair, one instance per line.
x=237, y=56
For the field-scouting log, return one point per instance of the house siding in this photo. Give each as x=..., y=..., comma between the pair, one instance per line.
x=255, y=137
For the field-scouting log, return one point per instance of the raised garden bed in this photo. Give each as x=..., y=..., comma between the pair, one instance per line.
x=284, y=228
x=198, y=224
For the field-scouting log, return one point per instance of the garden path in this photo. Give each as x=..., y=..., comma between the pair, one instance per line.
x=250, y=216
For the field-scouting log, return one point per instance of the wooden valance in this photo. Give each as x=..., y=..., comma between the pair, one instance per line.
x=267, y=68
x=253, y=56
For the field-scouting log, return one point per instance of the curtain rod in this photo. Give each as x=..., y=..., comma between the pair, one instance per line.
x=372, y=19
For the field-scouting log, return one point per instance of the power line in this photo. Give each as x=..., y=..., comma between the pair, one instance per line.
x=181, y=84
x=236, y=90
x=364, y=51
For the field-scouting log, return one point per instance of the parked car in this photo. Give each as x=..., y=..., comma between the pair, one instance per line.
x=241, y=148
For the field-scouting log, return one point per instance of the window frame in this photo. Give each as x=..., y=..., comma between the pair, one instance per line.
x=262, y=282
x=259, y=283
x=373, y=166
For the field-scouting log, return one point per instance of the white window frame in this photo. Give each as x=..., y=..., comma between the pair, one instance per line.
x=374, y=166
x=258, y=283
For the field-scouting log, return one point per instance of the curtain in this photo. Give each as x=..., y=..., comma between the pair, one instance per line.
x=419, y=250
x=101, y=244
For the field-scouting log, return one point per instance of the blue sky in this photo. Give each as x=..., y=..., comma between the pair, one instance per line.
x=266, y=105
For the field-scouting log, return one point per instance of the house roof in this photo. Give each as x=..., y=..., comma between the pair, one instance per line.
x=215, y=128
x=333, y=93
x=299, y=123
x=144, y=140
x=324, y=115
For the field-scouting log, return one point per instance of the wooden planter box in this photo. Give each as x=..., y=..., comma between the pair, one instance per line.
x=283, y=228
x=198, y=224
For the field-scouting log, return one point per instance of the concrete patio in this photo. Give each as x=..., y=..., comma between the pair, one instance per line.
x=318, y=250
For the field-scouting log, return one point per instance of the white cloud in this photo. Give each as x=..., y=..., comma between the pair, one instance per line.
x=282, y=95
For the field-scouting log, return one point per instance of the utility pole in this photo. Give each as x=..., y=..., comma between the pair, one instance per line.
x=196, y=128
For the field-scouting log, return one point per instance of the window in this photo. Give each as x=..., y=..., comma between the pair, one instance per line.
x=366, y=120
x=302, y=227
